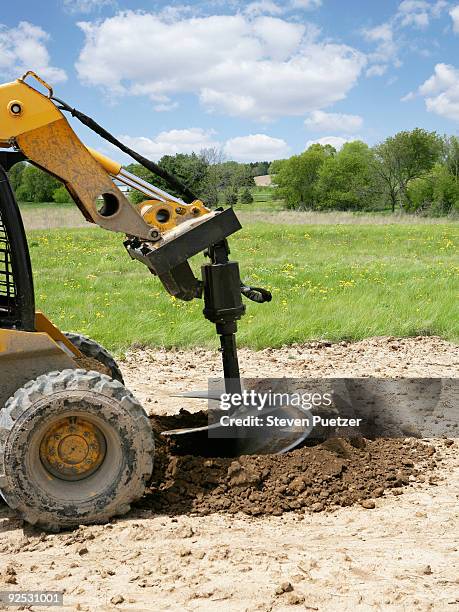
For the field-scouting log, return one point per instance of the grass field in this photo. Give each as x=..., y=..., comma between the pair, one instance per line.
x=330, y=282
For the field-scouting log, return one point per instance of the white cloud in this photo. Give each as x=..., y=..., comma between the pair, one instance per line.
x=165, y=108
x=441, y=91
x=334, y=141
x=263, y=7
x=86, y=6
x=386, y=47
x=388, y=38
x=319, y=121
x=408, y=97
x=256, y=147
x=382, y=32
x=417, y=13
x=376, y=70
x=268, y=7
x=454, y=12
x=414, y=13
x=260, y=67
x=192, y=140
x=305, y=4
x=438, y=7
x=24, y=48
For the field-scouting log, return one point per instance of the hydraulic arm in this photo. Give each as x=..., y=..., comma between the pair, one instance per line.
x=163, y=232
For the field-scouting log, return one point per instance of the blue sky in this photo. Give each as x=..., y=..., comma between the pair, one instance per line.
x=259, y=80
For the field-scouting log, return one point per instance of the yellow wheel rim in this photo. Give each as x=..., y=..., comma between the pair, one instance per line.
x=72, y=448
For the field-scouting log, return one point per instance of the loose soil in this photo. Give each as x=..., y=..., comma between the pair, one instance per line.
x=333, y=474
x=357, y=527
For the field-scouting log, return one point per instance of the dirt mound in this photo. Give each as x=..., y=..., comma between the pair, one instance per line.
x=334, y=473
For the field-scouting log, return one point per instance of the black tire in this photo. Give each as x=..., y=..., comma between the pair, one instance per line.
x=55, y=402
x=93, y=350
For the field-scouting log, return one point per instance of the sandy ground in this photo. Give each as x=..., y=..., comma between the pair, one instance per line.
x=401, y=555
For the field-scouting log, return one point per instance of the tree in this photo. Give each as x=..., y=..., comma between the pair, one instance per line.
x=435, y=193
x=404, y=157
x=275, y=166
x=61, y=195
x=231, y=198
x=259, y=168
x=136, y=197
x=451, y=155
x=189, y=169
x=246, y=197
x=347, y=180
x=210, y=187
x=15, y=175
x=212, y=156
x=36, y=185
x=223, y=178
x=297, y=177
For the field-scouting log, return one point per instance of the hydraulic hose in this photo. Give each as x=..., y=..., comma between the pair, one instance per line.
x=173, y=181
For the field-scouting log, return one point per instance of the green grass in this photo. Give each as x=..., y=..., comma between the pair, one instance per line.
x=329, y=282
x=264, y=199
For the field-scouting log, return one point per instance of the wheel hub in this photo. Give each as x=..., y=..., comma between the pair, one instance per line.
x=72, y=448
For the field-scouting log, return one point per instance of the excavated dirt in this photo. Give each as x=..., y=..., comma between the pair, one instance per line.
x=333, y=474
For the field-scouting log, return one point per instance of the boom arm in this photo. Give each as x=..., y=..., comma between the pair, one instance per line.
x=163, y=232
x=32, y=122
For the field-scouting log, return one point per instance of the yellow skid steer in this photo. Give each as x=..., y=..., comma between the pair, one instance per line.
x=76, y=447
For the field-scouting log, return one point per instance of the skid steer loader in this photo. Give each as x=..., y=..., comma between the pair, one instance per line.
x=76, y=447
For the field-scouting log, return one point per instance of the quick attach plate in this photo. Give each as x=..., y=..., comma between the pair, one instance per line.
x=177, y=251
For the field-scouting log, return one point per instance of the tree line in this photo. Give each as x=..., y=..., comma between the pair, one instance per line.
x=207, y=174
x=414, y=171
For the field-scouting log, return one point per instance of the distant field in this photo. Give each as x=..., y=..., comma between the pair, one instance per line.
x=330, y=282
x=264, y=209
x=50, y=215
x=264, y=199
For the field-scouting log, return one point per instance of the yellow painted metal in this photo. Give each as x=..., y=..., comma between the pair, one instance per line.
x=31, y=121
x=153, y=211
x=57, y=149
x=72, y=448
x=26, y=355
x=45, y=137
x=110, y=166
x=36, y=110
x=43, y=324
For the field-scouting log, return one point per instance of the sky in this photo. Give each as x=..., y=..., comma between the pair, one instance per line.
x=258, y=80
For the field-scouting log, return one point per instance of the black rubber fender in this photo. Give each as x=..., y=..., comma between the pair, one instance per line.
x=94, y=350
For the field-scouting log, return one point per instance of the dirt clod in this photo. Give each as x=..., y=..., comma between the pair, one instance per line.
x=294, y=599
x=285, y=587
